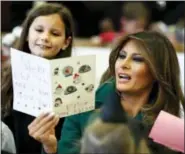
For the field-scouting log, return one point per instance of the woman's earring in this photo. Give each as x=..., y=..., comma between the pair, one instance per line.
x=119, y=94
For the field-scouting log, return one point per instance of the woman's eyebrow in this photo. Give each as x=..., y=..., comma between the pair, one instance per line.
x=133, y=54
x=136, y=54
x=122, y=51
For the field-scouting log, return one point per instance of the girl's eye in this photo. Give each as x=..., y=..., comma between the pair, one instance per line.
x=56, y=33
x=39, y=30
x=121, y=56
x=138, y=59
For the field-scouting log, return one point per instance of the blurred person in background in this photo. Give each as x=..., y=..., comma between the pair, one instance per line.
x=109, y=137
x=7, y=140
x=8, y=41
x=175, y=32
x=107, y=33
x=135, y=18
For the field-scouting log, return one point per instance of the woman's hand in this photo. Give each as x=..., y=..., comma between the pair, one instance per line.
x=43, y=130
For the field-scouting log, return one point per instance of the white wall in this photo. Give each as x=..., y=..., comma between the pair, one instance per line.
x=102, y=57
x=181, y=63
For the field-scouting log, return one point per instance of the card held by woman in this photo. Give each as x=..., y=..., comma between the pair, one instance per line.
x=168, y=130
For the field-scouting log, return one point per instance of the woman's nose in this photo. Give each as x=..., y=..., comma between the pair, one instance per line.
x=126, y=64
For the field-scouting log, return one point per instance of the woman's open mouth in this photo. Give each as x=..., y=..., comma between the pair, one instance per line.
x=122, y=77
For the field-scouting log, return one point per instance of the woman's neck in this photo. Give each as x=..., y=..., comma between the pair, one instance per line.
x=132, y=104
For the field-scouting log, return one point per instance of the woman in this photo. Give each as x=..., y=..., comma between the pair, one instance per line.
x=144, y=71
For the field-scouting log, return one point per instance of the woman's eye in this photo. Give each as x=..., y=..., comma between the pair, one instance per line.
x=138, y=59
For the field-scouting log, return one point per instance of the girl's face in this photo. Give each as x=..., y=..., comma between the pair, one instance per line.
x=46, y=36
x=132, y=72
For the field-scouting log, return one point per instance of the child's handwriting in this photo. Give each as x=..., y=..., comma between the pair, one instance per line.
x=34, y=82
x=78, y=107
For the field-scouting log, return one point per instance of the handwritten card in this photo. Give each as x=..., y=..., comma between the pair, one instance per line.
x=168, y=130
x=64, y=86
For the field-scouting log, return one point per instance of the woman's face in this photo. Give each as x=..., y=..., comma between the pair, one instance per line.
x=132, y=72
x=46, y=36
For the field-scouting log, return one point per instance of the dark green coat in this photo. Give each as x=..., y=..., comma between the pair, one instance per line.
x=74, y=126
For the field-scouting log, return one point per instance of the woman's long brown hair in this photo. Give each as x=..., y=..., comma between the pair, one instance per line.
x=162, y=60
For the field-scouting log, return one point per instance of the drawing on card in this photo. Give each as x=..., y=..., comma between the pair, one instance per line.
x=67, y=71
x=85, y=103
x=58, y=102
x=58, y=89
x=84, y=69
x=89, y=88
x=56, y=71
x=44, y=105
x=76, y=78
x=70, y=89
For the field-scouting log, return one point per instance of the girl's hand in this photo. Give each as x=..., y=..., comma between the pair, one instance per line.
x=42, y=129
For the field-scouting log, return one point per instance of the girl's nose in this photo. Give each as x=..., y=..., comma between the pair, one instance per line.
x=45, y=37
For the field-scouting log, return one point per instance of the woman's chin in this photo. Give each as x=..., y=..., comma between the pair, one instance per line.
x=122, y=88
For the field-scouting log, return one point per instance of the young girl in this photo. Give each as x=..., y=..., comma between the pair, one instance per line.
x=47, y=32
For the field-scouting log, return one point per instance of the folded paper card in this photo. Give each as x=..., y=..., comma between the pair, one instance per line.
x=64, y=86
x=168, y=130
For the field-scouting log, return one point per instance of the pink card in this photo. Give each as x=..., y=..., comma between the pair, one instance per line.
x=168, y=130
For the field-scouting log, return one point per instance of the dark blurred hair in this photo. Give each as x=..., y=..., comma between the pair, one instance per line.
x=136, y=11
x=6, y=90
x=102, y=137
